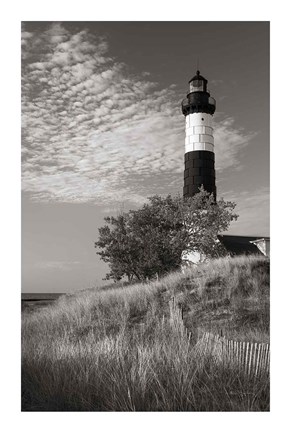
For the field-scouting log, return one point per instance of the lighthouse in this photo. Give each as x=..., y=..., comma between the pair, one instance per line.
x=198, y=108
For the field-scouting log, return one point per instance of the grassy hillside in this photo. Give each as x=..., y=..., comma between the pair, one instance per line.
x=114, y=349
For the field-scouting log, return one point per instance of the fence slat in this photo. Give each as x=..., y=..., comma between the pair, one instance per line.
x=254, y=358
x=246, y=359
x=262, y=364
x=235, y=351
x=250, y=358
x=267, y=359
x=242, y=354
x=258, y=360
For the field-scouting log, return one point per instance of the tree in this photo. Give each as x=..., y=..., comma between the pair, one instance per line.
x=203, y=219
x=140, y=243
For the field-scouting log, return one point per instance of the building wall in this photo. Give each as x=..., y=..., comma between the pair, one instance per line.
x=263, y=245
x=199, y=132
x=192, y=257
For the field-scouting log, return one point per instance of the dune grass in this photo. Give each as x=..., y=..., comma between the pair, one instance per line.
x=114, y=349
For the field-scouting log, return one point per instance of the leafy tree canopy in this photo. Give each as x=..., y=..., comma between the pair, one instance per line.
x=153, y=239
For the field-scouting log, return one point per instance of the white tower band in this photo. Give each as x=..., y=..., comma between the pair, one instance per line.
x=199, y=132
x=198, y=108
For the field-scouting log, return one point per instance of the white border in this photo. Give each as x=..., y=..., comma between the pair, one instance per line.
x=12, y=13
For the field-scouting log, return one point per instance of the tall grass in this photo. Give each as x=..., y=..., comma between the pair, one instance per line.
x=115, y=349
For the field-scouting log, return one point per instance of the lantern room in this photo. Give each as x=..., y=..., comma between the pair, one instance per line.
x=198, y=83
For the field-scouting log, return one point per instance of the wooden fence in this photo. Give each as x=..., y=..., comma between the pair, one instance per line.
x=250, y=357
x=176, y=320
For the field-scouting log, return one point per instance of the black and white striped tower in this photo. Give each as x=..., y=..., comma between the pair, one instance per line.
x=198, y=108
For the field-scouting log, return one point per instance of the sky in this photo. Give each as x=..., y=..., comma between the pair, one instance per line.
x=102, y=130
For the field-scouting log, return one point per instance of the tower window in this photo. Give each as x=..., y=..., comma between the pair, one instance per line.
x=202, y=118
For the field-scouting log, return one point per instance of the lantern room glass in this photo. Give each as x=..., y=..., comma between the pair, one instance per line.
x=196, y=85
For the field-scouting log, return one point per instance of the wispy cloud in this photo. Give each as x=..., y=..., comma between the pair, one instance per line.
x=229, y=141
x=56, y=265
x=94, y=131
x=253, y=210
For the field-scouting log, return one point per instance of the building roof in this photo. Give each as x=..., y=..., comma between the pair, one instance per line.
x=198, y=77
x=239, y=245
x=259, y=239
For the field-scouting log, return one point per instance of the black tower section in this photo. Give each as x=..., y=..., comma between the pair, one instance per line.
x=199, y=164
x=199, y=170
